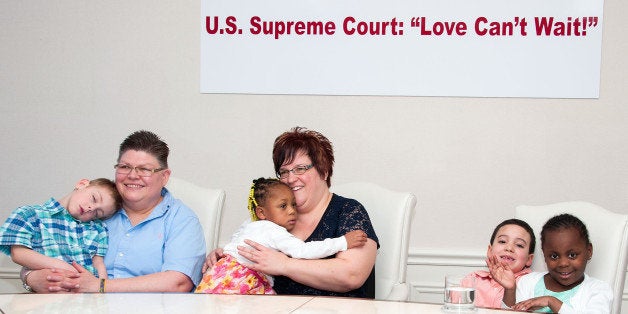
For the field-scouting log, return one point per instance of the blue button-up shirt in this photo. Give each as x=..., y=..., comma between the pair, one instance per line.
x=171, y=238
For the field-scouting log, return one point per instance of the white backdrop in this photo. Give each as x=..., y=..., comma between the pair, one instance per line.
x=77, y=77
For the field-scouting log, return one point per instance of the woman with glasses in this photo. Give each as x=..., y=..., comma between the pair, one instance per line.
x=156, y=243
x=304, y=160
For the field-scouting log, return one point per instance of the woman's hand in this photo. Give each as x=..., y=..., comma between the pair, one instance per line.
x=265, y=260
x=84, y=281
x=212, y=258
x=52, y=281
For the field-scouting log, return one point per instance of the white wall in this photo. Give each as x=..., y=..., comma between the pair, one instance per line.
x=77, y=77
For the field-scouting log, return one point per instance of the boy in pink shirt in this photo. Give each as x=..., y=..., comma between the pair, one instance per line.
x=512, y=244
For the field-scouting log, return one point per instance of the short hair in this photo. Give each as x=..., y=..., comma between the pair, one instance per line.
x=312, y=143
x=149, y=142
x=565, y=221
x=111, y=186
x=259, y=192
x=520, y=223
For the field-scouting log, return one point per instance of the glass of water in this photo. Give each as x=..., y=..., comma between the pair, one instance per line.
x=459, y=293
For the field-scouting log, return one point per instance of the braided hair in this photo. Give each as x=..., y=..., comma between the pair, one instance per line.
x=565, y=221
x=259, y=192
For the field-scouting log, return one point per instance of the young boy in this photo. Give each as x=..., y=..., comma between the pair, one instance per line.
x=54, y=234
x=512, y=245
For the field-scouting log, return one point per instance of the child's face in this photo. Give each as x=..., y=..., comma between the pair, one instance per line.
x=90, y=202
x=280, y=207
x=511, y=246
x=566, y=254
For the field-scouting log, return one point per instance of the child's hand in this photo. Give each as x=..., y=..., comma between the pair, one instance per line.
x=501, y=272
x=537, y=303
x=355, y=238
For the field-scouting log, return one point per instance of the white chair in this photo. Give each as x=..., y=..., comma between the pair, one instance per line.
x=608, y=232
x=206, y=203
x=391, y=214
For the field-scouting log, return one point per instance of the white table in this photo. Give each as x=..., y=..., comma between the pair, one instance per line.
x=139, y=303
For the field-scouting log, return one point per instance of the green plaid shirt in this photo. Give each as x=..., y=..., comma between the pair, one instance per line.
x=50, y=230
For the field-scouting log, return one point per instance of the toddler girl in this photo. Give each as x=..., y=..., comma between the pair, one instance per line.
x=512, y=245
x=273, y=214
x=564, y=288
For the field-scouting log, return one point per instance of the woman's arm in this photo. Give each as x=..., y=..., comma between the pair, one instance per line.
x=99, y=264
x=166, y=281
x=347, y=271
x=33, y=260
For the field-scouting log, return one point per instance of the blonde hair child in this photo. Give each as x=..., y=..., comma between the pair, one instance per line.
x=57, y=233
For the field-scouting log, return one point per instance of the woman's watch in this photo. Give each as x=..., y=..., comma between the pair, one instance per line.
x=24, y=276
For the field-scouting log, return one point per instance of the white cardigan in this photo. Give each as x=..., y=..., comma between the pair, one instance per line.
x=593, y=296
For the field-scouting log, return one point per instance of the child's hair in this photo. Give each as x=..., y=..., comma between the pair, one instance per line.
x=565, y=221
x=259, y=193
x=521, y=224
x=111, y=186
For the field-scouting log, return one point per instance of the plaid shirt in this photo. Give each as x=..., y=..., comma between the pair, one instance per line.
x=50, y=230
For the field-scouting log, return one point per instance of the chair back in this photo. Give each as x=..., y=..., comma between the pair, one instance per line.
x=206, y=203
x=608, y=232
x=391, y=214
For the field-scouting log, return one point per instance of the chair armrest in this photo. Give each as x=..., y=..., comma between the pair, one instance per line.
x=399, y=292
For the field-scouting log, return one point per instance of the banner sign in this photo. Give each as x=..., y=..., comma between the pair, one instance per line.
x=474, y=48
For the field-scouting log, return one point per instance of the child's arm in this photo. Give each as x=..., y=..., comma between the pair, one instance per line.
x=539, y=302
x=596, y=296
x=99, y=264
x=33, y=260
x=504, y=276
x=295, y=247
x=510, y=297
x=355, y=238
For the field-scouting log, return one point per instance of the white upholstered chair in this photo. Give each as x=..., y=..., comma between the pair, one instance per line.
x=608, y=232
x=206, y=203
x=391, y=214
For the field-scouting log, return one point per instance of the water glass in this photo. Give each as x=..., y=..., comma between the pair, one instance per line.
x=459, y=293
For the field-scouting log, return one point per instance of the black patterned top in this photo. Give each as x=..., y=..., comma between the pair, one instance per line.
x=341, y=216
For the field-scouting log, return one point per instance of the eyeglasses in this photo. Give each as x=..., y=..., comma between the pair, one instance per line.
x=141, y=171
x=298, y=170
